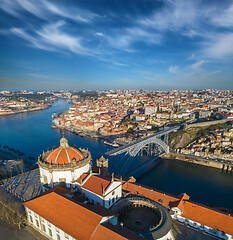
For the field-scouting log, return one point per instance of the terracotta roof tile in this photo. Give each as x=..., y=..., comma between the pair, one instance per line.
x=96, y=184
x=107, y=231
x=82, y=177
x=135, y=188
x=64, y=155
x=208, y=217
x=71, y=217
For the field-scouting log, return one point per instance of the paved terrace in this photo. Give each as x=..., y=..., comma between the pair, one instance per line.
x=23, y=188
x=128, y=146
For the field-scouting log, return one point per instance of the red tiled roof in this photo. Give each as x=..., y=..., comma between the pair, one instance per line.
x=82, y=177
x=96, y=184
x=134, y=188
x=71, y=217
x=107, y=231
x=208, y=217
x=64, y=155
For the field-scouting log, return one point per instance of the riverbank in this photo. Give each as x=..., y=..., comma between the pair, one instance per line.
x=200, y=161
x=25, y=110
x=93, y=135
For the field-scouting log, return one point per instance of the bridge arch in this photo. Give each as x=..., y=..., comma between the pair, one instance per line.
x=157, y=141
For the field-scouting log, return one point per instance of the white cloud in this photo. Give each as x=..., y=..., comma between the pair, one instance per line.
x=219, y=46
x=193, y=56
x=176, y=15
x=197, y=64
x=99, y=34
x=32, y=40
x=73, y=13
x=46, y=10
x=173, y=69
x=53, y=38
x=225, y=18
x=124, y=38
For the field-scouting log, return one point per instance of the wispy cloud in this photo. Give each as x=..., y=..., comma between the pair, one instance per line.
x=52, y=37
x=177, y=15
x=192, y=56
x=219, y=46
x=73, y=13
x=46, y=10
x=42, y=76
x=34, y=42
x=196, y=19
x=125, y=38
x=225, y=18
x=197, y=64
x=173, y=69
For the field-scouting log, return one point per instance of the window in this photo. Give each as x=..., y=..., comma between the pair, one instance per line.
x=113, y=192
x=109, y=202
x=36, y=215
x=30, y=218
x=45, y=180
x=116, y=196
x=37, y=223
x=50, y=232
x=43, y=227
x=62, y=182
x=58, y=237
x=66, y=236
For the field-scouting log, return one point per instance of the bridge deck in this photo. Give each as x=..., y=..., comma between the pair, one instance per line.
x=158, y=134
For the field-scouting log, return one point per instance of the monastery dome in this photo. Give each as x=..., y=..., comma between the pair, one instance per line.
x=64, y=154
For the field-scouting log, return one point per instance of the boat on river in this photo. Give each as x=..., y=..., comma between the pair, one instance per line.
x=113, y=144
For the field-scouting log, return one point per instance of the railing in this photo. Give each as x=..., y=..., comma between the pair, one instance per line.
x=128, y=146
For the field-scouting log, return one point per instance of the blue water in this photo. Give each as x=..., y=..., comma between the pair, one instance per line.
x=32, y=133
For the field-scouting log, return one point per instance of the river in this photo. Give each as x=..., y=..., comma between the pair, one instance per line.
x=32, y=133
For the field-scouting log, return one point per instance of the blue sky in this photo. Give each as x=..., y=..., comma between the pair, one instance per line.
x=116, y=44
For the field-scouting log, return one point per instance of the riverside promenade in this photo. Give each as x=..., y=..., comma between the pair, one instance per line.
x=214, y=163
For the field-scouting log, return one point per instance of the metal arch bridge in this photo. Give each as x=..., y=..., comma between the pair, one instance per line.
x=160, y=139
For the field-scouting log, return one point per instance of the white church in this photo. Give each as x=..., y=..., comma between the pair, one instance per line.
x=63, y=172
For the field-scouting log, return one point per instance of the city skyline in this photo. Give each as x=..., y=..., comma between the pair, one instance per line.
x=155, y=45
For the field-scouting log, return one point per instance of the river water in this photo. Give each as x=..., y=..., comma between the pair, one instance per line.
x=32, y=133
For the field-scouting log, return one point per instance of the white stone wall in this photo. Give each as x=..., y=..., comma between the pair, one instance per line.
x=168, y=236
x=69, y=176
x=46, y=228
x=114, y=193
x=111, y=219
x=93, y=197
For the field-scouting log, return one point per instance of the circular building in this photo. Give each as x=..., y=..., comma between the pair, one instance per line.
x=144, y=216
x=63, y=165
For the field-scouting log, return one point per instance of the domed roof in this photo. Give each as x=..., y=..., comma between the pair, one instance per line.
x=64, y=154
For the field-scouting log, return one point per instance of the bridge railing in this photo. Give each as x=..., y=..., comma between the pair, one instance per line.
x=158, y=134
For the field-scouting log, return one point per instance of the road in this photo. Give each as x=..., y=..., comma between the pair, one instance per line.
x=205, y=159
x=9, y=232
